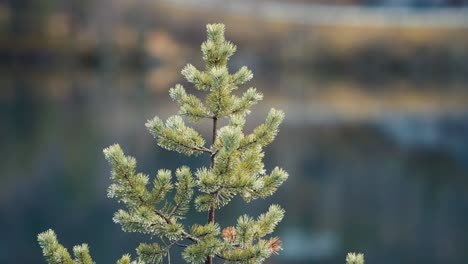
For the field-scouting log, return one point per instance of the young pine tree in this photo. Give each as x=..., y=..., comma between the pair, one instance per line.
x=236, y=168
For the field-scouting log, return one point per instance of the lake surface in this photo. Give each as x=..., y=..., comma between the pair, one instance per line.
x=379, y=167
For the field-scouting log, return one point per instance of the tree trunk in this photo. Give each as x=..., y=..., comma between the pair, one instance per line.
x=211, y=213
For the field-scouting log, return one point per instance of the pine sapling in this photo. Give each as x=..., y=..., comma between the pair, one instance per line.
x=159, y=206
x=236, y=169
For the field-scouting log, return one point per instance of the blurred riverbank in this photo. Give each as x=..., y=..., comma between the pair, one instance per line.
x=377, y=42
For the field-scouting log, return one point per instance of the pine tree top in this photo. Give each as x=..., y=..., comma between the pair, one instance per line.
x=159, y=206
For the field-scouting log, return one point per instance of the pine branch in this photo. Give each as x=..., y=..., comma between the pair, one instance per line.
x=250, y=254
x=154, y=253
x=267, y=222
x=161, y=186
x=184, y=192
x=82, y=254
x=125, y=259
x=123, y=168
x=242, y=76
x=175, y=135
x=266, y=185
x=55, y=253
x=219, y=100
x=190, y=105
x=201, y=80
x=241, y=106
x=216, y=50
x=166, y=218
x=52, y=250
x=265, y=133
x=354, y=258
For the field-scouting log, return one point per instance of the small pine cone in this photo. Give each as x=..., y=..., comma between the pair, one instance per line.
x=229, y=233
x=275, y=244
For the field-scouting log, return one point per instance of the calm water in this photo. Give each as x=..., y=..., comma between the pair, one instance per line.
x=376, y=167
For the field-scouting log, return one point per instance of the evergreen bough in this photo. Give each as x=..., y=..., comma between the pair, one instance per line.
x=236, y=169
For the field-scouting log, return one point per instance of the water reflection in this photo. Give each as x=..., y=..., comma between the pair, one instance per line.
x=370, y=171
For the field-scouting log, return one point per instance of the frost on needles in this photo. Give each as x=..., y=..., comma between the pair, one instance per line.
x=158, y=205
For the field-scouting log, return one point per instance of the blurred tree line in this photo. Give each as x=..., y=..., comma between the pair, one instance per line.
x=53, y=33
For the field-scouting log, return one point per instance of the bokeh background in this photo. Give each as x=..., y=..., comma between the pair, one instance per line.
x=375, y=137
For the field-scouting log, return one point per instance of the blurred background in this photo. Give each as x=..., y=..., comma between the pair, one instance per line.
x=375, y=137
